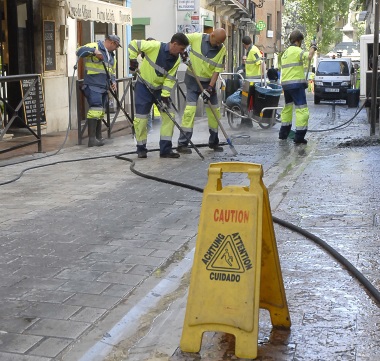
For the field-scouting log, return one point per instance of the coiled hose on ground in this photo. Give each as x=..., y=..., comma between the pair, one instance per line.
x=335, y=254
x=342, y=260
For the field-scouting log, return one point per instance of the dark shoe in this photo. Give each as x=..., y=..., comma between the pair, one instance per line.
x=142, y=154
x=216, y=148
x=99, y=131
x=300, y=141
x=183, y=149
x=299, y=137
x=284, y=132
x=92, y=141
x=170, y=155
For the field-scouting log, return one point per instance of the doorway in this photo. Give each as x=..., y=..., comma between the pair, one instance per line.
x=17, y=47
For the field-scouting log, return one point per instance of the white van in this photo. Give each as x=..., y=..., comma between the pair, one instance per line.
x=332, y=79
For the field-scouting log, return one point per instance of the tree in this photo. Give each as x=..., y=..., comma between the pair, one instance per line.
x=318, y=19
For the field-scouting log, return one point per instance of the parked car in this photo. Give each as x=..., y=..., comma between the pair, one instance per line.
x=332, y=79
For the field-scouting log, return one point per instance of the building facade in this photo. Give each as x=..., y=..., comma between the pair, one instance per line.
x=260, y=19
x=41, y=37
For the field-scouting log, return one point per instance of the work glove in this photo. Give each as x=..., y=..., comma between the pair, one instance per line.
x=185, y=57
x=206, y=94
x=314, y=45
x=133, y=65
x=165, y=103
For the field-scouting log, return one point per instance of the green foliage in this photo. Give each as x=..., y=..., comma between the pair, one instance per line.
x=317, y=18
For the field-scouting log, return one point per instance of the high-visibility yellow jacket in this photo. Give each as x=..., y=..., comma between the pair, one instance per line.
x=95, y=74
x=357, y=75
x=203, y=65
x=292, y=65
x=158, y=67
x=253, y=63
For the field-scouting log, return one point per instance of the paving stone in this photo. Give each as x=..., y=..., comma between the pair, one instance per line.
x=10, y=342
x=118, y=290
x=89, y=314
x=78, y=275
x=58, y=328
x=50, y=310
x=50, y=347
x=145, y=260
x=41, y=283
x=84, y=286
x=122, y=278
x=46, y=296
x=15, y=357
x=99, y=301
x=15, y=324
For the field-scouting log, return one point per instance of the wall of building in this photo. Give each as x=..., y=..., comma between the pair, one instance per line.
x=268, y=40
x=55, y=82
x=162, y=17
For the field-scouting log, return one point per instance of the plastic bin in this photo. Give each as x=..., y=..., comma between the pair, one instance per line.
x=266, y=97
x=353, y=96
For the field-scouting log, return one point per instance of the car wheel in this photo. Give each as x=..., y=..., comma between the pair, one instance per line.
x=317, y=100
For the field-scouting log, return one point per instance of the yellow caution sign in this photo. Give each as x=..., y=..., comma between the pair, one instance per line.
x=236, y=267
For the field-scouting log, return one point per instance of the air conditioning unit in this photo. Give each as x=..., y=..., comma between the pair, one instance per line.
x=269, y=33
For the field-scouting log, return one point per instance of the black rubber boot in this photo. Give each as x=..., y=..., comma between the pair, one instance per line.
x=171, y=154
x=141, y=151
x=99, y=131
x=92, y=141
x=284, y=132
x=216, y=147
x=299, y=137
x=184, y=149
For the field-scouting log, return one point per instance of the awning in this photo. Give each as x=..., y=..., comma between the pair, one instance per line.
x=94, y=10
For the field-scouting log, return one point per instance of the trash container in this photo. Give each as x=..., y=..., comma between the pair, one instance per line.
x=353, y=97
x=268, y=96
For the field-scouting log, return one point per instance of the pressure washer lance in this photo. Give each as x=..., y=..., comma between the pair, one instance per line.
x=164, y=108
x=117, y=100
x=188, y=63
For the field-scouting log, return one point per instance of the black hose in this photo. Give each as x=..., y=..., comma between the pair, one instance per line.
x=343, y=125
x=342, y=260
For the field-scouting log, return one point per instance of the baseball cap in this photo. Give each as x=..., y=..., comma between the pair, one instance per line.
x=114, y=38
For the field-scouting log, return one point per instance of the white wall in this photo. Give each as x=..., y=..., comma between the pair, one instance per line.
x=162, y=16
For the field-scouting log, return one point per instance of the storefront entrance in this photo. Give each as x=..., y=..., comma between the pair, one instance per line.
x=16, y=46
x=16, y=38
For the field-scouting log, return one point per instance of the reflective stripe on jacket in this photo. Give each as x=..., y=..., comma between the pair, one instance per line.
x=159, y=67
x=253, y=63
x=95, y=74
x=292, y=65
x=203, y=65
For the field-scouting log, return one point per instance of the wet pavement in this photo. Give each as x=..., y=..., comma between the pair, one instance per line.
x=96, y=261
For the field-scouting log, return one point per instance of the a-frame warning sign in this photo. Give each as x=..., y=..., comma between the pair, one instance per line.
x=236, y=266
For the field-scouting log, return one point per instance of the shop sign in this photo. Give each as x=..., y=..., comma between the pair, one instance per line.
x=260, y=25
x=186, y=5
x=93, y=10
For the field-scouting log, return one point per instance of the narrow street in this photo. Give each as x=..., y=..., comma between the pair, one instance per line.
x=96, y=261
